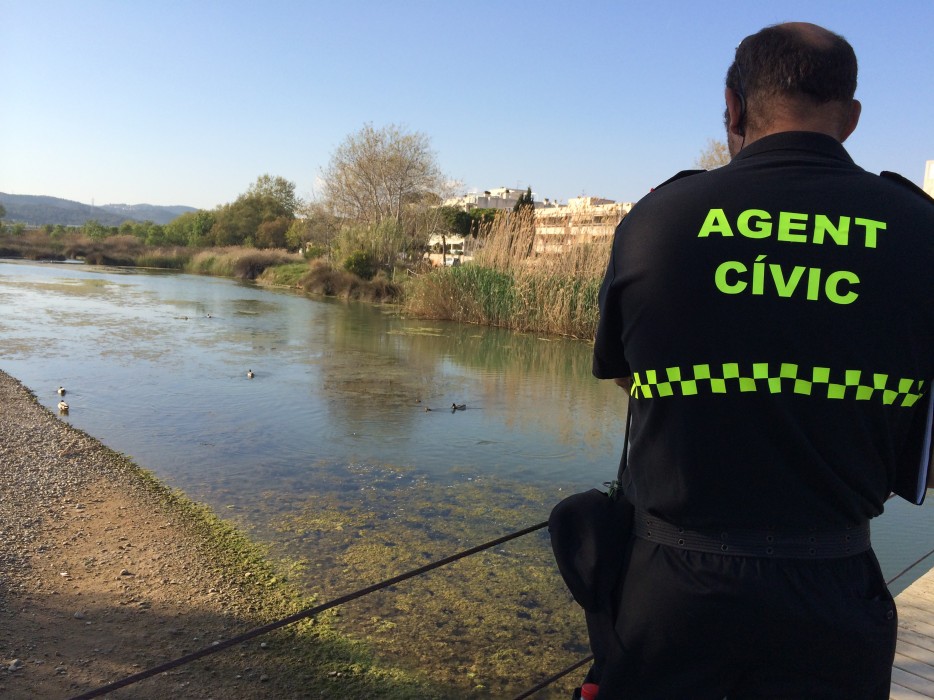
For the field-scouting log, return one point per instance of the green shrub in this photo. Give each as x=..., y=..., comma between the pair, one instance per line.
x=361, y=264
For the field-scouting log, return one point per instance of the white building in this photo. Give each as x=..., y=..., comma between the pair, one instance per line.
x=446, y=250
x=581, y=218
x=497, y=198
x=556, y=225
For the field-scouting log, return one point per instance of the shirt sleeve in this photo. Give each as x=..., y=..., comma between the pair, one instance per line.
x=609, y=359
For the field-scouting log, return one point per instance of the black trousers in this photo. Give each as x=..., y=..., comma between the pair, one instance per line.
x=697, y=626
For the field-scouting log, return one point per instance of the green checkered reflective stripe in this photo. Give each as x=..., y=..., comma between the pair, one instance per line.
x=731, y=377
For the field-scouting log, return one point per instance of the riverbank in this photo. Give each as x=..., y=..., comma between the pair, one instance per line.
x=104, y=572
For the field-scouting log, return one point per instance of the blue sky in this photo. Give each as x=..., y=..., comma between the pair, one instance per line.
x=189, y=102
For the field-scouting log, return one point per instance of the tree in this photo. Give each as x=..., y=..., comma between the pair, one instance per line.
x=279, y=192
x=715, y=155
x=525, y=201
x=260, y=216
x=375, y=173
x=316, y=227
x=271, y=233
x=94, y=229
x=455, y=221
x=192, y=228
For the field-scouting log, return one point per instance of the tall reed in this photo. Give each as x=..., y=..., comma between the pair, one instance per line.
x=545, y=281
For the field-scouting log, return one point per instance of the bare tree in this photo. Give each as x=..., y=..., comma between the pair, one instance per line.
x=375, y=173
x=714, y=155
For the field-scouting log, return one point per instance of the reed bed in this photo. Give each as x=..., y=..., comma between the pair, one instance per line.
x=175, y=258
x=31, y=245
x=545, y=281
x=242, y=263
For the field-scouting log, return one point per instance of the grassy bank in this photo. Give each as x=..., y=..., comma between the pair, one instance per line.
x=519, y=282
x=271, y=267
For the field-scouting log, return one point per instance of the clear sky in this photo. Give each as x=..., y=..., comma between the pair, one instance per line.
x=188, y=102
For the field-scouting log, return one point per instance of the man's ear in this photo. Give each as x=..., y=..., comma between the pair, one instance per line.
x=735, y=109
x=852, y=120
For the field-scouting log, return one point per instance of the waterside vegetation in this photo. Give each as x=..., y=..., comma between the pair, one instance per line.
x=518, y=281
x=365, y=239
x=508, y=283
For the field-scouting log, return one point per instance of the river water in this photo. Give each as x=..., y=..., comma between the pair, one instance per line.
x=343, y=453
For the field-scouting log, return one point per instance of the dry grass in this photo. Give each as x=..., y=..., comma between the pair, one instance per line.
x=520, y=281
x=322, y=278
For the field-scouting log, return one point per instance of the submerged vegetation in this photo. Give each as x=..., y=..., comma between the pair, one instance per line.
x=489, y=625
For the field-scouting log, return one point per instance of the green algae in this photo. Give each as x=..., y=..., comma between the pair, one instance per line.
x=489, y=625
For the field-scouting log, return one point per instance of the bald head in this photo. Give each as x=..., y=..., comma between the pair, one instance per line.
x=812, y=34
x=794, y=76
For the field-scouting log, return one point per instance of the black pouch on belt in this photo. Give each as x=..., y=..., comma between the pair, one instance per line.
x=590, y=533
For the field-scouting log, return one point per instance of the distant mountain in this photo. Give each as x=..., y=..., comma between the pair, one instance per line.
x=148, y=212
x=39, y=210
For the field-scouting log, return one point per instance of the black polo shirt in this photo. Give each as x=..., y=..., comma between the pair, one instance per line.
x=777, y=318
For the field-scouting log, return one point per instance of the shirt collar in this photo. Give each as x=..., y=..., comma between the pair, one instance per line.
x=811, y=141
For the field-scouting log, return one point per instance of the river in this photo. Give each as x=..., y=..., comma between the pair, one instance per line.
x=343, y=453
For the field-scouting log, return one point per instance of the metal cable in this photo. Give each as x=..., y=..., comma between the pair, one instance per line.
x=301, y=615
x=311, y=612
x=908, y=568
x=551, y=679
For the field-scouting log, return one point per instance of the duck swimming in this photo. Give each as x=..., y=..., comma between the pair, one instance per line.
x=249, y=374
x=61, y=391
x=458, y=406
x=62, y=407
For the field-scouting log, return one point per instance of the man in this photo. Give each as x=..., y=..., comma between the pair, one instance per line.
x=774, y=321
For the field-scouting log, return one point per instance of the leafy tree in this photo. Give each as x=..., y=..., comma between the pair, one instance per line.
x=269, y=203
x=525, y=201
x=2, y=212
x=192, y=228
x=278, y=193
x=375, y=173
x=298, y=234
x=456, y=221
x=714, y=155
x=94, y=229
x=271, y=233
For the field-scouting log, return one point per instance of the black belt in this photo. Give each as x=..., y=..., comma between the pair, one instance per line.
x=766, y=544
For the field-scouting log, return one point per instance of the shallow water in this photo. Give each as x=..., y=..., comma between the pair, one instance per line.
x=329, y=454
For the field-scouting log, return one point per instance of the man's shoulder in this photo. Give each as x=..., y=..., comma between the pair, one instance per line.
x=678, y=176
x=906, y=184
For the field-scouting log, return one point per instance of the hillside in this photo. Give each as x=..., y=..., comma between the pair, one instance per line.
x=39, y=210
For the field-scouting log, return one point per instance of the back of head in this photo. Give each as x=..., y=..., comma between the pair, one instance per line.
x=792, y=70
